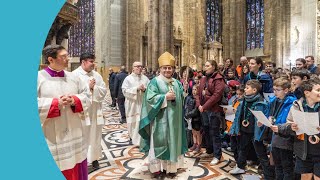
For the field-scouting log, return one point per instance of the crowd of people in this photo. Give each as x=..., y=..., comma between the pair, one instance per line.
x=279, y=150
x=169, y=114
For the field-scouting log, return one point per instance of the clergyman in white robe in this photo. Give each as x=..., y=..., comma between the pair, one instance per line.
x=133, y=102
x=63, y=126
x=97, y=122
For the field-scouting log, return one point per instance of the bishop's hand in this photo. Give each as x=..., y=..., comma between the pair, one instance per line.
x=170, y=96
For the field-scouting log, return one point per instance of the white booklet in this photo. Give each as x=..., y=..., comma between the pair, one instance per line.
x=261, y=117
x=230, y=114
x=307, y=122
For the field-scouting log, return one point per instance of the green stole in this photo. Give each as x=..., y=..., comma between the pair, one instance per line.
x=166, y=124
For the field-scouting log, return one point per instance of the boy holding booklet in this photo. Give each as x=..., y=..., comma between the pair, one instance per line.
x=282, y=147
x=245, y=126
x=306, y=148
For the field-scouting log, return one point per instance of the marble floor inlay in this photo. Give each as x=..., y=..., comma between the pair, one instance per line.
x=121, y=160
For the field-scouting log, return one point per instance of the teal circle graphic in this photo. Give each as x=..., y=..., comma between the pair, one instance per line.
x=24, y=28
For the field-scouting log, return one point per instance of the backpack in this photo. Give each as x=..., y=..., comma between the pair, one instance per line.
x=224, y=99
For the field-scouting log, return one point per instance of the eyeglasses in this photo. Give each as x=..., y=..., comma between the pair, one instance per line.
x=277, y=90
x=138, y=66
x=65, y=56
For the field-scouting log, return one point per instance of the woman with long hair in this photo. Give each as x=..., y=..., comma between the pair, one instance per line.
x=210, y=94
x=244, y=72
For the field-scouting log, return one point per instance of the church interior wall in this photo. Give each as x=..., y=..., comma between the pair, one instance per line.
x=122, y=29
x=303, y=28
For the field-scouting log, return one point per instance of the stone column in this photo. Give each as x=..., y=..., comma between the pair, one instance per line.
x=154, y=33
x=165, y=26
x=133, y=31
x=226, y=18
x=240, y=30
x=233, y=29
x=317, y=55
x=160, y=35
x=277, y=37
x=149, y=35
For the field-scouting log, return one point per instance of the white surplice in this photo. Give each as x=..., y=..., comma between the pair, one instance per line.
x=64, y=134
x=133, y=103
x=98, y=94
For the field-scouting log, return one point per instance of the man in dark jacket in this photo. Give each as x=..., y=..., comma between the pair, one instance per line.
x=310, y=63
x=112, y=77
x=118, y=92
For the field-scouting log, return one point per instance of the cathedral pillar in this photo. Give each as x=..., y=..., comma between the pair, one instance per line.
x=240, y=30
x=154, y=34
x=317, y=55
x=160, y=35
x=165, y=24
x=233, y=30
x=277, y=28
x=226, y=18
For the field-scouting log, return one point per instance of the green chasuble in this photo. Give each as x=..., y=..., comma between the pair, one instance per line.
x=165, y=124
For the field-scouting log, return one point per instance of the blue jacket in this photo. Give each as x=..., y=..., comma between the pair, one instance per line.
x=313, y=69
x=280, y=141
x=264, y=79
x=258, y=131
x=284, y=111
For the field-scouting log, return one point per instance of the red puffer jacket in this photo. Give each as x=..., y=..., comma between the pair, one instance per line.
x=213, y=94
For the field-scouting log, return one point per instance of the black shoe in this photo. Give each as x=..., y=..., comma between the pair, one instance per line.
x=156, y=175
x=95, y=164
x=123, y=121
x=171, y=175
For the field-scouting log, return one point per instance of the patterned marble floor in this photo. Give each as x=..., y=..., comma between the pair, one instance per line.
x=123, y=161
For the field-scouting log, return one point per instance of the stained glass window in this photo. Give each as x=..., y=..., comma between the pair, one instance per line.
x=81, y=37
x=255, y=24
x=214, y=20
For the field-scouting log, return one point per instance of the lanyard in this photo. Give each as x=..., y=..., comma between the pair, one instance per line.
x=258, y=75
